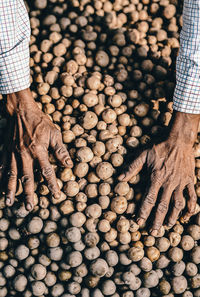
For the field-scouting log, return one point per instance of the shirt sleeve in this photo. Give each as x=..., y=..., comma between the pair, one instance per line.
x=187, y=91
x=14, y=46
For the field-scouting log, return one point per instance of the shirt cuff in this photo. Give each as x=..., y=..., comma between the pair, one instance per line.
x=187, y=91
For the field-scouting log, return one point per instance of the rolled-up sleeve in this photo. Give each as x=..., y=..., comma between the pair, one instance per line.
x=14, y=46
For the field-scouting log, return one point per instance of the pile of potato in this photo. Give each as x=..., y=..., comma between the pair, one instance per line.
x=104, y=72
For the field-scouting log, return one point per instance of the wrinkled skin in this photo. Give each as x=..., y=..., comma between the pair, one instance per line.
x=32, y=133
x=171, y=165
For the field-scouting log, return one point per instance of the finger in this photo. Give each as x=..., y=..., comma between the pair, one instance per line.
x=60, y=150
x=28, y=179
x=161, y=210
x=178, y=205
x=149, y=201
x=12, y=181
x=191, y=202
x=134, y=168
x=49, y=174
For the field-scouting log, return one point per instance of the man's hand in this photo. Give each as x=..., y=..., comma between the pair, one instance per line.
x=33, y=133
x=171, y=164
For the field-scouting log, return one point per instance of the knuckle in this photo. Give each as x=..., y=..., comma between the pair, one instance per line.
x=163, y=207
x=61, y=150
x=12, y=174
x=47, y=172
x=26, y=179
x=150, y=199
x=179, y=204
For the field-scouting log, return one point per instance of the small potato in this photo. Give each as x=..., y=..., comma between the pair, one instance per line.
x=119, y=204
x=104, y=170
x=104, y=226
x=179, y=284
x=109, y=116
x=73, y=234
x=71, y=188
x=85, y=154
x=93, y=211
x=135, y=254
x=99, y=267
x=187, y=242
x=90, y=99
x=122, y=188
x=151, y=279
x=89, y=120
x=81, y=169
x=20, y=282
x=175, y=254
x=99, y=148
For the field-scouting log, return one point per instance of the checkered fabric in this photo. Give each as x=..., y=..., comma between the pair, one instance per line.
x=187, y=91
x=14, y=46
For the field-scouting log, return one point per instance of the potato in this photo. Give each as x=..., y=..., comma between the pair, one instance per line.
x=102, y=58
x=119, y=204
x=74, y=259
x=38, y=288
x=179, y=284
x=73, y=234
x=71, y=188
x=187, y=242
x=108, y=287
x=109, y=116
x=104, y=170
x=93, y=82
x=92, y=253
x=99, y=267
x=21, y=252
x=90, y=99
x=122, y=188
x=195, y=255
x=151, y=279
x=175, y=254
x=77, y=219
x=104, y=226
x=143, y=292
x=191, y=269
x=20, y=283
x=135, y=254
x=178, y=268
x=38, y=271
x=93, y=211
x=145, y=264
x=35, y=225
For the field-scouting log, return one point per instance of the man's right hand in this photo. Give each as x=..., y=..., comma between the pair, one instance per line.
x=33, y=134
x=171, y=164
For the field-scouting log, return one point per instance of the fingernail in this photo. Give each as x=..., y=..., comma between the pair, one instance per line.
x=57, y=195
x=140, y=221
x=154, y=232
x=8, y=201
x=169, y=225
x=29, y=207
x=122, y=176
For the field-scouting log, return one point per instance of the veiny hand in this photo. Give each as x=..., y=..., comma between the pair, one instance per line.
x=171, y=164
x=32, y=135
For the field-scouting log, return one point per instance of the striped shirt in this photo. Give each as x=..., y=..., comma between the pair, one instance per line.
x=14, y=46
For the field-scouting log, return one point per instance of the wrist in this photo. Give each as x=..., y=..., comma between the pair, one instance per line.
x=19, y=101
x=184, y=128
